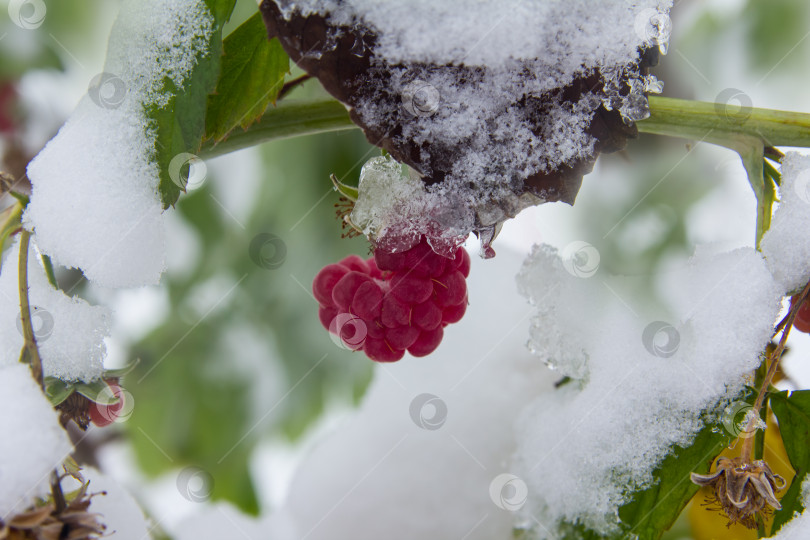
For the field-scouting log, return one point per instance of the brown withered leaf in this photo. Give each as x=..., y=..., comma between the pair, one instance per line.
x=343, y=59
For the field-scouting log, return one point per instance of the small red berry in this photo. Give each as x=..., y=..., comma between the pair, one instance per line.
x=103, y=415
x=393, y=302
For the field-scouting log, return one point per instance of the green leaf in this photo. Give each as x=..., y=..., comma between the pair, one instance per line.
x=179, y=126
x=793, y=413
x=653, y=510
x=253, y=70
x=96, y=390
x=57, y=390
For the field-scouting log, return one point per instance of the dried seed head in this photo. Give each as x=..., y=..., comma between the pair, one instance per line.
x=742, y=490
x=47, y=522
x=77, y=408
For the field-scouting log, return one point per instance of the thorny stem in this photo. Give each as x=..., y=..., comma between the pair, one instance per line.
x=773, y=359
x=30, y=342
x=289, y=86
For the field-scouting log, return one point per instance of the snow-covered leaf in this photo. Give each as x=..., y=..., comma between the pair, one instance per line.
x=654, y=510
x=180, y=120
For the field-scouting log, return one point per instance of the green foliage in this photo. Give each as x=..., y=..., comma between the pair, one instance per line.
x=253, y=71
x=775, y=28
x=793, y=413
x=212, y=384
x=180, y=124
x=652, y=511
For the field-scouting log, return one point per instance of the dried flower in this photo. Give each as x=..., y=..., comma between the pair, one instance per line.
x=743, y=490
x=48, y=522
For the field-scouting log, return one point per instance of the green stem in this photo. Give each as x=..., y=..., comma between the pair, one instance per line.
x=747, y=131
x=698, y=120
x=717, y=124
x=30, y=352
x=288, y=119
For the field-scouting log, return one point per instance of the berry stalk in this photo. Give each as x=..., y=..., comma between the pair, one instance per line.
x=775, y=357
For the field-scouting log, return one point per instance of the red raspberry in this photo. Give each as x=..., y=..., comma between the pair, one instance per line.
x=104, y=415
x=802, y=320
x=393, y=302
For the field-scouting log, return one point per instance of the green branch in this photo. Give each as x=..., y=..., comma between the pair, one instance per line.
x=30, y=352
x=710, y=122
x=287, y=119
x=746, y=130
x=723, y=124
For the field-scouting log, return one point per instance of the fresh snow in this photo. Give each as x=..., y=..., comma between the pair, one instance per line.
x=425, y=454
x=33, y=443
x=645, y=379
x=70, y=332
x=783, y=245
x=95, y=203
x=511, y=51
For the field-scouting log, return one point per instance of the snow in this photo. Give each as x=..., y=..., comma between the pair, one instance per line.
x=70, y=332
x=27, y=456
x=120, y=513
x=95, y=203
x=786, y=251
x=650, y=373
x=425, y=454
x=488, y=83
x=795, y=529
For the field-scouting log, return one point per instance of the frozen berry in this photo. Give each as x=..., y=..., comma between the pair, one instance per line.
x=105, y=413
x=393, y=302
